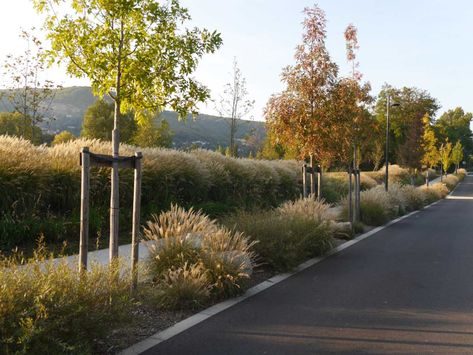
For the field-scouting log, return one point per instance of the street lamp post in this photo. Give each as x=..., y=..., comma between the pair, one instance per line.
x=388, y=106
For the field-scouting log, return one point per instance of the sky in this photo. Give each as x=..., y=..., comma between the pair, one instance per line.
x=421, y=43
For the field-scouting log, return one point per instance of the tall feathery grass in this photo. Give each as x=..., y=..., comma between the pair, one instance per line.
x=192, y=257
x=41, y=186
x=288, y=235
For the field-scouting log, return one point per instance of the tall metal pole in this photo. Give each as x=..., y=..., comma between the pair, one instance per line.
x=386, y=177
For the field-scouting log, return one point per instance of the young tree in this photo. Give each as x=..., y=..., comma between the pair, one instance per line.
x=298, y=118
x=137, y=52
x=445, y=155
x=234, y=103
x=360, y=123
x=27, y=93
x=455, y=125
x=430, y=156
x=457, y=155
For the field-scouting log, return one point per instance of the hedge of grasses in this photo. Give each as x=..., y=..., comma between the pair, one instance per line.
x=378, y=206
x=399, y=175
x=40, y=186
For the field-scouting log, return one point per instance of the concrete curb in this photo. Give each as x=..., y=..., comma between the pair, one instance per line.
x=187, y=323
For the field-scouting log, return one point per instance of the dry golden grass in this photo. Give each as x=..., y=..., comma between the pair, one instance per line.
x=47, y=307
x=181, y=237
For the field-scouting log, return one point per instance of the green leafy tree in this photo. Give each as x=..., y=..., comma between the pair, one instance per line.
x=455, y=125
x=98, y=122
x=457, y=155
x=63, y=137
x=136, y=51
x=445, y=154
x=430, y=156
x=153, y=135
x=15, y=124
x=405, y=120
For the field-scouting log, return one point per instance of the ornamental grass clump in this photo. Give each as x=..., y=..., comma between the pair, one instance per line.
x=451, y=181
x=376, y=208
x=397, y=199
x=415, y=198
x=309, y=207
x=283, y=237
x=434, y=192
x=461, y=173
x=47, y=307
x=183, y=241
x=184, y=287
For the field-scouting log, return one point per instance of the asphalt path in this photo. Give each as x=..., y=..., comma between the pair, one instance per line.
x=407, y=289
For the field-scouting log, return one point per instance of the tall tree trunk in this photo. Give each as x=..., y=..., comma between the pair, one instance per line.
x=350, y=197
x=357, y=185
x=114, y=196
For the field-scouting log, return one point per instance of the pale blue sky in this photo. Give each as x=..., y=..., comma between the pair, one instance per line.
x=422, y=43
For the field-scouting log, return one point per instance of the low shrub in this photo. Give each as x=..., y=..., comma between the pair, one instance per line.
x=283, y=240
x=180, y=239
x=48, y=308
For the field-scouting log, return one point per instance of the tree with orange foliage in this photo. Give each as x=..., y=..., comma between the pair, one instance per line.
x=301, y=116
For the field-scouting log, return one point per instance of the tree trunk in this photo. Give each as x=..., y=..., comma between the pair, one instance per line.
x=357, y=187
x=114, y=195
x=350, y=199
x=312, y=177
x=427, y=177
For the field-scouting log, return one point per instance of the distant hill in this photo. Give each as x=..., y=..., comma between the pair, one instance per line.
x=207, y=131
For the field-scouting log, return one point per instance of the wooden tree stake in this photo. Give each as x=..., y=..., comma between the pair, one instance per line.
x=84, y=209
x=135, y=233
x=312, y=176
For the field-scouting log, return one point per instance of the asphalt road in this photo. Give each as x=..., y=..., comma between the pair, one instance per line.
x=406, y=289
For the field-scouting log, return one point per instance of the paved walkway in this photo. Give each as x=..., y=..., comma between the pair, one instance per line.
x=406, y=289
